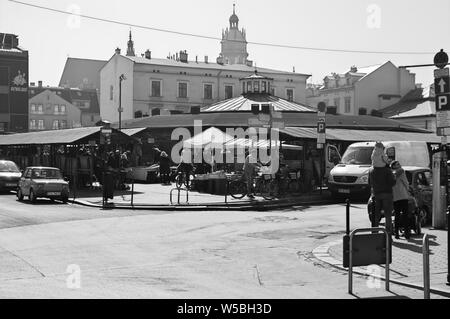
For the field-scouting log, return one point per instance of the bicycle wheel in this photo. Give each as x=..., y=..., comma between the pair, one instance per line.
x=237, y=189
x=179, y=181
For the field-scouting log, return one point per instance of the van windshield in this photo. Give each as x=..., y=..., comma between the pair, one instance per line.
x=358, y=156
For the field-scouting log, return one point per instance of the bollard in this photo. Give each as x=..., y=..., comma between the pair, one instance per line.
x=347, y=217
x=426, y=266
x=448, y=246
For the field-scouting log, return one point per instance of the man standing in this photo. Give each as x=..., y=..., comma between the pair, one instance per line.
x=381, y=181
x=250, y=166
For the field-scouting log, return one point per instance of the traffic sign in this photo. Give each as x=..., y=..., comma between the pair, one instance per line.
x=321, y=127
x=441, y=59
x=441, y=85
x=441, y=73
x=442, y=102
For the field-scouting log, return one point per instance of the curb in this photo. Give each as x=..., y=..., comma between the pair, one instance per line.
x=246, y=206
x=322, y=253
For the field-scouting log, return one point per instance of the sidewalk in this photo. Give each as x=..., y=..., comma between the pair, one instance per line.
x=407, y=260
x=157, y=196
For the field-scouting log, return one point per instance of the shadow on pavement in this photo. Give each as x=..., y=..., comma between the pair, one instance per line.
x=99, y=193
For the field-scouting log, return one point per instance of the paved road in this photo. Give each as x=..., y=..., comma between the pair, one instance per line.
x=126, y=254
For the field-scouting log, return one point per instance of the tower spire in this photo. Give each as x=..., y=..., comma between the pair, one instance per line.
x=130, y=49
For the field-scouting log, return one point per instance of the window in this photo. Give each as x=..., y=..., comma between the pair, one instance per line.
x=63, y=124
x=256, y=86
x=156, y=112
x=56, y=112
x=337, y=102
x=182, y=90
x=40, y=109
x=228, y=92
x=33, y=109
x=348, y=107
x=290, y=94
x=41, y=125
x=207, y=91
x=32, y=124
x=55, y=125
x=243, y=87
x=111, y=92
x=249, y=86
x=59, y=109
x=62, y=109
x=156, y=88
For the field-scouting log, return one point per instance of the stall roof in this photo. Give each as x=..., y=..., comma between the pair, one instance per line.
x=68, y=136
x=134, y=131
x=362, y=135
x=290, y=119
x=207, y=137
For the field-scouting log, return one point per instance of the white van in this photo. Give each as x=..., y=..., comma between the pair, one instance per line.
x=351, y=176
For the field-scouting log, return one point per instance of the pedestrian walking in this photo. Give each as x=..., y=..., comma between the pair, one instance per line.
x=381, y=181
x=164, y=168
x=250, y=166
x=401, y=196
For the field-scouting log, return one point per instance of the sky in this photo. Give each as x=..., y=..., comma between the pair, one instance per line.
x=357, y=25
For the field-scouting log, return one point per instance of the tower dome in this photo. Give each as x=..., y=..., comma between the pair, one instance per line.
x=234, y=20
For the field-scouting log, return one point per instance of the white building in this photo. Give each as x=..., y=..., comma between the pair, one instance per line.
x=176, y=84
x=363, y=89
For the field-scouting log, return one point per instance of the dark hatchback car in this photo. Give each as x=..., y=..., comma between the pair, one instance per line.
x=9, y=175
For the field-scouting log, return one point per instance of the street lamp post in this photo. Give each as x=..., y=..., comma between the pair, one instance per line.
x=121, y=78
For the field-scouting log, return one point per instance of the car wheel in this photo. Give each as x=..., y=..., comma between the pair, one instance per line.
x=32, y=196
x=19, y=194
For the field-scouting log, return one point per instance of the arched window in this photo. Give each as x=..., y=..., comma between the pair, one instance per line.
x=156, y=112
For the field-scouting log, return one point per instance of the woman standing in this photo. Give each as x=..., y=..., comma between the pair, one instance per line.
x=401, y=196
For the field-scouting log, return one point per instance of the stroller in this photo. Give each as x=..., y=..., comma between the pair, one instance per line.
x=414, y=219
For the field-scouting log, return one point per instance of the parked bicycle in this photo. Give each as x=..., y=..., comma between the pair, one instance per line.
x=284, y=183
x=184, y=177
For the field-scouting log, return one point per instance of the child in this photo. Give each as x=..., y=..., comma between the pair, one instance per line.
x=379, y=158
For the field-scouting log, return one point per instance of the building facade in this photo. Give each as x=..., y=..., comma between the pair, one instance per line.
x=49, y=111
x=176, y=84
x=362, y=90
x=13, y=85
x=85, y=101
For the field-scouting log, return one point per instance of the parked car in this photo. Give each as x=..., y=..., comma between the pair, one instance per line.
x=45, y=182
x=421, y=200
x=9, y=175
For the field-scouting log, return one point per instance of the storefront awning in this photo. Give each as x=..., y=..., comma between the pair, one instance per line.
x=361, y=135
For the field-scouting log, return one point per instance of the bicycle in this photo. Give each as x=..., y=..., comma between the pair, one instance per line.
x=238, y=188
x=284, y=184
x=184, y=178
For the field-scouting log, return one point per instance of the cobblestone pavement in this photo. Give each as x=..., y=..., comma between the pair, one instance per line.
x=407, y=258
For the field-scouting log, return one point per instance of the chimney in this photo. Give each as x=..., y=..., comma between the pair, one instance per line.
x=196, y=59
x=148, y=54
x=353, y=69
x=206, y=59
x=184, y=56
x=40, y=84
x=118, y=51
